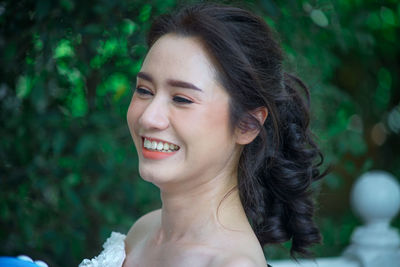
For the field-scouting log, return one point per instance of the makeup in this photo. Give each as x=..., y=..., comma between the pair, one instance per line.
x=151, y=154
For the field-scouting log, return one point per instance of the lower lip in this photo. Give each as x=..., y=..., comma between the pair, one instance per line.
x=150, y=154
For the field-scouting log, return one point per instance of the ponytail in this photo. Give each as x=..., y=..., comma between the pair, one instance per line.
x=274, y=181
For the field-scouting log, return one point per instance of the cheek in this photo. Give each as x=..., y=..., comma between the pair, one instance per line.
x=208, y=127
x=133, y=114
x=218, y=125
x=216, y=120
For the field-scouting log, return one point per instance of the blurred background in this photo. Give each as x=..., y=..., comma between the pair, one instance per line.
x=68, y=167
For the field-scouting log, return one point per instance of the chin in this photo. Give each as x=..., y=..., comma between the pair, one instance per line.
x=154, y=176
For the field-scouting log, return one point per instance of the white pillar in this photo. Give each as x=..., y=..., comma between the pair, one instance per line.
x=375, y=197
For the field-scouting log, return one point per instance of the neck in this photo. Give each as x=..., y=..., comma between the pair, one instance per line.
x=193, y=213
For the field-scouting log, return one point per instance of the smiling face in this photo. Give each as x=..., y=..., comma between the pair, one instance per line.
x=178, y=101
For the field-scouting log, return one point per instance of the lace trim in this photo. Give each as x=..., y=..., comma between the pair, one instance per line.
x=113, y=254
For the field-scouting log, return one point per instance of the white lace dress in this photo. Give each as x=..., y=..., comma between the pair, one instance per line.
x=113, y=254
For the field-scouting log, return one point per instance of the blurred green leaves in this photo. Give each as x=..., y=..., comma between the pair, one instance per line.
x=24, y=86
x=383, y=91
x=68, y=172
x=145, y=13
x=63, y=49
x=319, y=18
x=128, y=27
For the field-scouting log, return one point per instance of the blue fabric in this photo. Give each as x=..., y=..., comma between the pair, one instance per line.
x=14, y=262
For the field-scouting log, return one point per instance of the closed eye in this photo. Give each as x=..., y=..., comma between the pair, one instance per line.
x=177, y=99
x=142, y=91
x=182, y=100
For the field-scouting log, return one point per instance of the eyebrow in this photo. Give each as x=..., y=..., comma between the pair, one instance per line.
x=171, y=82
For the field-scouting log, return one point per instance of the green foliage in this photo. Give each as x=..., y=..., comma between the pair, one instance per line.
x=68, y=167
x=65, y=148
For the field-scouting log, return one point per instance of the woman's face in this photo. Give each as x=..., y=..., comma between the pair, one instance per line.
x=178, y=101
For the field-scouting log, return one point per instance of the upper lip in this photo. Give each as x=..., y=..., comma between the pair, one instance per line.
x=158, y=140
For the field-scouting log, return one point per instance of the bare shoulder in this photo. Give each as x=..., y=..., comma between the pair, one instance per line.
x=240, y=261
x=146, y=222
x=235, y=261
x=142, y=227
x=247, y=251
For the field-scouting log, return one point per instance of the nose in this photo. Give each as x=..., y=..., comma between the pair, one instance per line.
x=155, y=115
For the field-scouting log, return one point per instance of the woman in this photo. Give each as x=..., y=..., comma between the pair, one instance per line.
x=220, y=128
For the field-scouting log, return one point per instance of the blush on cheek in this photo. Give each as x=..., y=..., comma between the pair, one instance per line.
x=132, y=121
x=129, y=119
x=219, y=116
x=134, y=112
x=212, y=128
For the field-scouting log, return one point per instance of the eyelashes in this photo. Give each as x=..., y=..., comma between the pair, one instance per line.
x=142, y=91
x=181, y=100
x=177, y=99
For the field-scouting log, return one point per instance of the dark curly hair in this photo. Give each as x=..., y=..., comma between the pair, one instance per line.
x=276, y=169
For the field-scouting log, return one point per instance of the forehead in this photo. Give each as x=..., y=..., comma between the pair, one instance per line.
x=178, y=57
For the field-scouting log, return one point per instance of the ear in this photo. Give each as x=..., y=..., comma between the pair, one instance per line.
x=244, y=137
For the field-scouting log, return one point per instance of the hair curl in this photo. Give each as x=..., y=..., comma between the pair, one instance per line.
x=276, y=169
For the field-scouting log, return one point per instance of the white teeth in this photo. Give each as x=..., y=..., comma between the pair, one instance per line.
x=153, y=145
x=147, y=143
x=166, y=146
x=160, y=146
